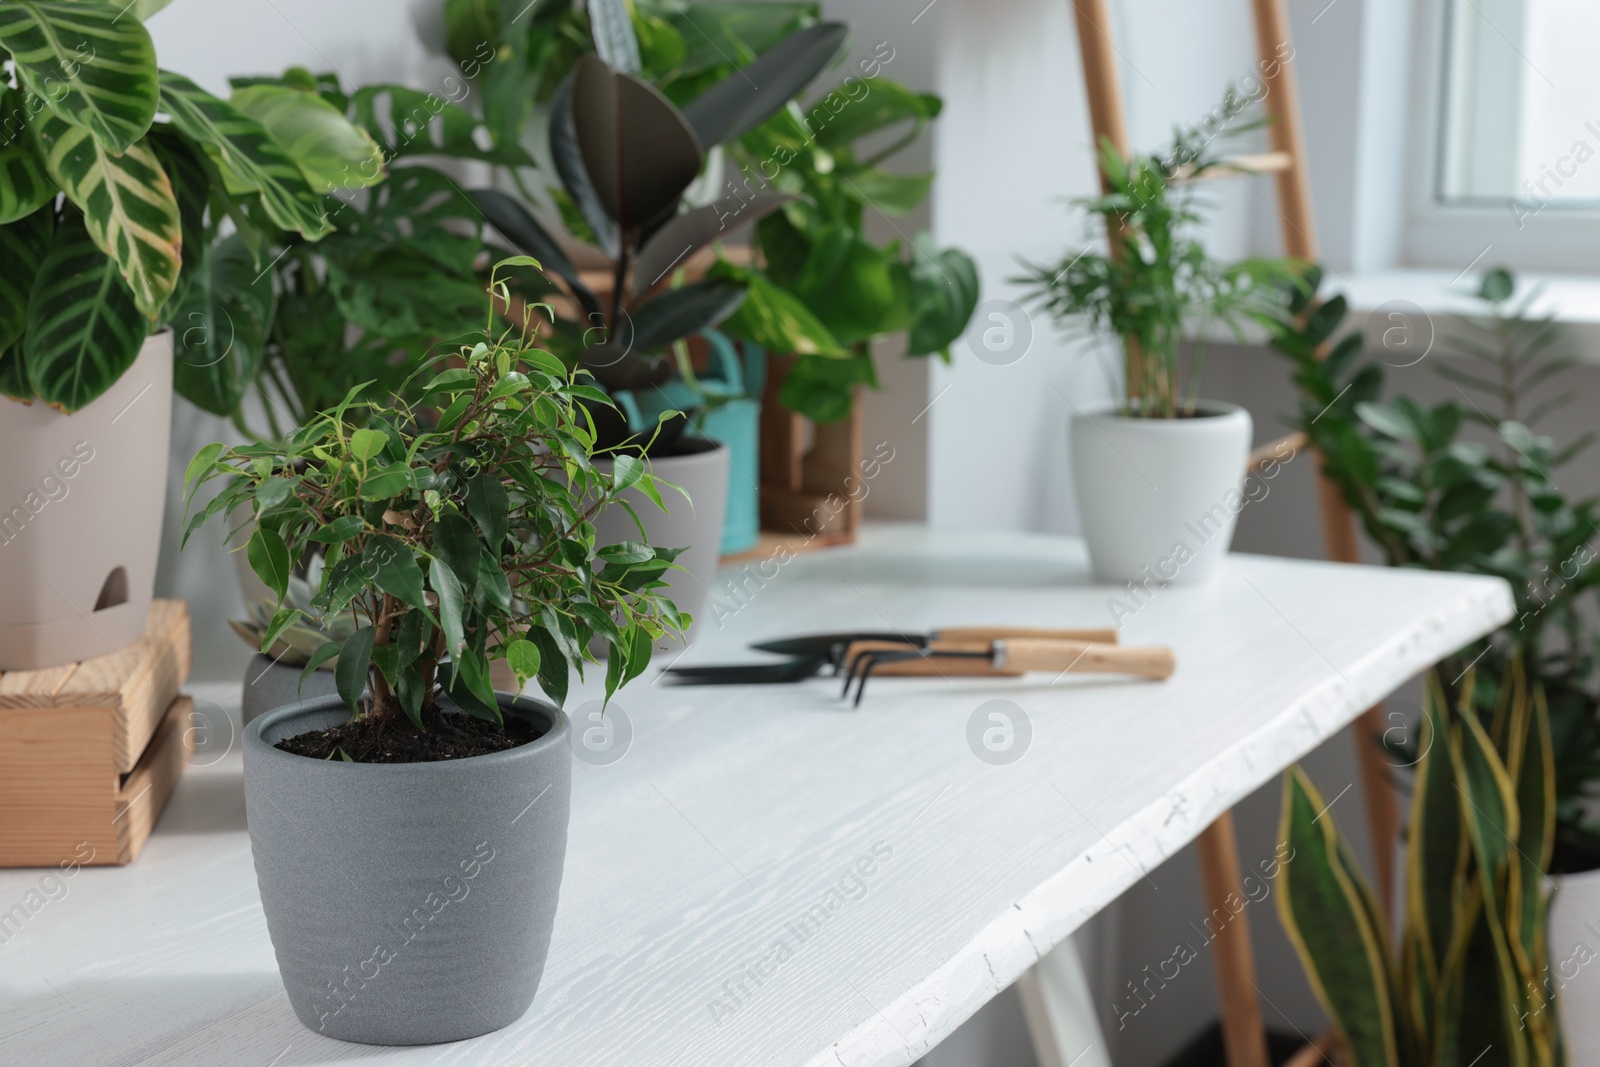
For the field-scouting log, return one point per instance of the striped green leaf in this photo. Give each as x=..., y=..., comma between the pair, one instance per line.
x=332, y=152
x=91, y=66
x=219, y=331
x=127, y=202
x=24, y=185
x=84, y=329
x=1328, y=913
x=23, y=246
x=251, y=161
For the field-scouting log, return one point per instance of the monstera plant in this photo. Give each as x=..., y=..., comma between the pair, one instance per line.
x=109, y=219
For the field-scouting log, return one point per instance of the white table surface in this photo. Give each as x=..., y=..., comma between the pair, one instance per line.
x=738, y=810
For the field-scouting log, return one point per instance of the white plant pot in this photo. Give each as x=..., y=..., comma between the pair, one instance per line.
x=1574, y=940
x=81, y=499
x=694, y=527
x=1158, y=498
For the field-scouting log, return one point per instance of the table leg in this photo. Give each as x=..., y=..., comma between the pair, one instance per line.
x=1243, y=1034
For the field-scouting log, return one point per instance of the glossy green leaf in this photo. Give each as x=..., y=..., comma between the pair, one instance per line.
x=523, y=657
x=395, y=570
x=330, y=150
x=852, y=286
x=339, y=530
x=944, y=294
x=367, y=443
x=84, y=329
x=92, y=67
x=778, y=321
x=890, y=193
x=489, y=506
x=458, y=545
x=853, y=111
x=626, y=471
x=127, y=203
x=410, y=122
x=452, y=602
x=219, y=330
x=250, y=159
x=269, y=558
x=350, y=676
x=322, y=655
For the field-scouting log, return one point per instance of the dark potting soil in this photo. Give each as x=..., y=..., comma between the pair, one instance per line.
x=449, y=735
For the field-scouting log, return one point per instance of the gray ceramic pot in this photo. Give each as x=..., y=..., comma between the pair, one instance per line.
x=408, y=903
x=269, y=685
x=696, y=527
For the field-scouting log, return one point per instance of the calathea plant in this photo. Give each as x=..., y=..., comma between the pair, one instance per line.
x=456, y=532
x=625, y=155
x=107, y=217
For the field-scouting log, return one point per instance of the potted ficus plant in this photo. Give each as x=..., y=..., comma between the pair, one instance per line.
x=1157, y=473
x=107, y=223
x=458, y=533
x=626, y=155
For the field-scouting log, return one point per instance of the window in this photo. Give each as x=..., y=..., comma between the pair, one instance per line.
x=1510, y=108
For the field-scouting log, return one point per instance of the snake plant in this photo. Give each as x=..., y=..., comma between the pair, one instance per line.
x=108, y=217
x=1468, y=982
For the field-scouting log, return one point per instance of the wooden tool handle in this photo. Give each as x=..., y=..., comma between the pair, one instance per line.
x=1032, y=654
x=1106, y=636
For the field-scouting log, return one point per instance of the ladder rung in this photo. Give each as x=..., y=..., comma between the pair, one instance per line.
x=1233, y=166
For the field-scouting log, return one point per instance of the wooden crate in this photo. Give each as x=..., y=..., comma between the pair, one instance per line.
x=90, y=752
x=809, y=490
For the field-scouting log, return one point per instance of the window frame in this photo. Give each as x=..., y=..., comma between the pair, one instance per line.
x=1471, y=234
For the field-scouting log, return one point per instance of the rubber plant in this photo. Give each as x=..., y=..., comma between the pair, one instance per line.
x=1151, y=283
x=1468, y=983
x=625, y=155
x=456, y=531
x=108, y=217
x=821, y=290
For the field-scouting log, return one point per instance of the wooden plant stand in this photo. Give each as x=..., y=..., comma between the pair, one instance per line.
x=90, y=752
x=810, y=493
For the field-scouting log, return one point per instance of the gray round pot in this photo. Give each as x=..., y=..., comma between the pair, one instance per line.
x=269, y=684
x=694, y=525
x=408, y=903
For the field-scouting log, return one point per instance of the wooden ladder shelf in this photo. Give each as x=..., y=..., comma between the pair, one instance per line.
x=1243, y=1033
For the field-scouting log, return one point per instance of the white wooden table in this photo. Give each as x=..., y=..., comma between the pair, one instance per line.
x=766, y=876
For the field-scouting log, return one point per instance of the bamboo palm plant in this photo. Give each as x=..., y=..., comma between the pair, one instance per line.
x=1153, y=284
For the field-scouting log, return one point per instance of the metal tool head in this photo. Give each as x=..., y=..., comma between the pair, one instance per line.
x=792, y=670
x=832, y=646
x=861, y=668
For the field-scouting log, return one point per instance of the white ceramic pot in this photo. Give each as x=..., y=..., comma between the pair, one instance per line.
x=1574, y=940
x=695, y=527
x=1158, y=498
x=81, y=499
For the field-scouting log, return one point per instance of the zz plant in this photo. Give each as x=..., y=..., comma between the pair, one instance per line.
x=456, y=532
x=108, y=217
